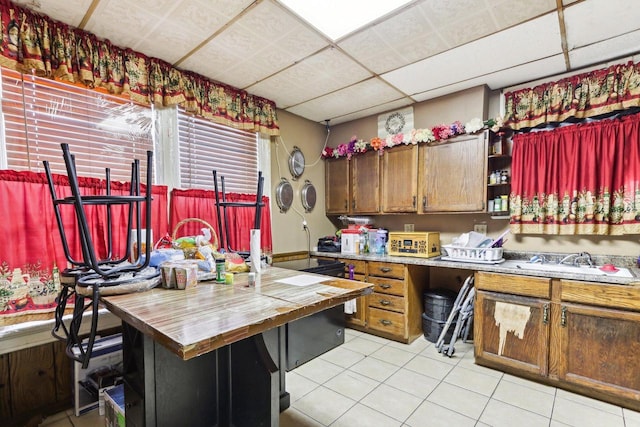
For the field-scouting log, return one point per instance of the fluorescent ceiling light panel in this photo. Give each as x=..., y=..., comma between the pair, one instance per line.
x=335, y=18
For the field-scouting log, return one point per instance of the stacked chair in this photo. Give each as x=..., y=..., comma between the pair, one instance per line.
x=89, y=274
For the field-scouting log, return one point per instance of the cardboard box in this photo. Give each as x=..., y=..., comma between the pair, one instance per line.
x=179, y=274
x=114, y=415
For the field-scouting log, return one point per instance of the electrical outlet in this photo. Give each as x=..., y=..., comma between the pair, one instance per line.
x=480, y=228
x=409, y=228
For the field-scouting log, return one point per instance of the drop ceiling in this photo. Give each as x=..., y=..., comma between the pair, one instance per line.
x=425, y=49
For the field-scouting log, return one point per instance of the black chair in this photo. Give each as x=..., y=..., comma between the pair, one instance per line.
x=88, y=274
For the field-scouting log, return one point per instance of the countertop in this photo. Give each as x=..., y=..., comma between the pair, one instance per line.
x=510, y=265
x=208, y=316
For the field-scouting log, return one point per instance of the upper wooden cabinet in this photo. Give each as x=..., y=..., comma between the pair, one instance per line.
x=365, y=178
x=453, y=175
x=400, y=179
x=337, y=186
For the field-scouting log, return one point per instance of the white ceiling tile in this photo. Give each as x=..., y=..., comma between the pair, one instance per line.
x=591, y=21
x=70, y=12
x=369, y=49
x=324, y=72
x=490, y=54
x=511, y=12
x=354, y=98
x=616, y=47
x=467, y=28
x=389, y=106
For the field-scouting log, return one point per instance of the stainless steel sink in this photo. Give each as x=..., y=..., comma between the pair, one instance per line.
x=570, y=269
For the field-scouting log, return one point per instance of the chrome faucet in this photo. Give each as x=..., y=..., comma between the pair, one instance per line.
x=538, y=258
x=576, y=258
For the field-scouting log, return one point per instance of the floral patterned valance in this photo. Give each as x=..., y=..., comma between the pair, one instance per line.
x=577, y=97
x=34, y=43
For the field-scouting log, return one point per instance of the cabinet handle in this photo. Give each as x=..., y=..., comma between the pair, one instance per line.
x=545, y=314
x=385, y=286
x=353, y=204
x=385, y=269
x=414, y=201
x=346, y=204
x=424, y=202
x=385, y=322
x=563, y=317
x=385, y=302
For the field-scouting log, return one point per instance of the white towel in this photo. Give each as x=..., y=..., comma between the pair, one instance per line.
x=350, y=307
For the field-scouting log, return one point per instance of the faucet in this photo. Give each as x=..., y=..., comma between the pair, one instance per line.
x=538, y=258
x=582, y=256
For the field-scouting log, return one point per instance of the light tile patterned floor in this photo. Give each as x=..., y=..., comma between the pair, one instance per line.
x=373, y=382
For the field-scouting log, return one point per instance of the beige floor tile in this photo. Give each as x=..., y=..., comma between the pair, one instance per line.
x=319, y=370
x=458, y=399
x=631, y=418
x=375, y=338
x=374, y=368
x=576, y=414
x=363, y=416
x=590, y=402
x=525, y=398
x=352, y=384
x=416, y=346
x=350, y=334
x=298, y=386
x=530, y=384
x=469, y=363
x=412, y=382
x=342, y=356
x=393, y=355
x=428, y=366
x=90, y=419
x=472, y=380
x=432, y=415
x=500, y=414
x=323, y=405
x=60, y=419
x=294, y=418
x=362, y=345
x=392, y=402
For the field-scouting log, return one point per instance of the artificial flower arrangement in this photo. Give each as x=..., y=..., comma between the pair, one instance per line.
x=437, y=133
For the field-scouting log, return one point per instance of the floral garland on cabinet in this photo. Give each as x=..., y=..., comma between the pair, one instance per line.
x=437, y=133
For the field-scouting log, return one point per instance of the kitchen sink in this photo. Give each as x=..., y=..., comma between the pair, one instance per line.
x=570, y=269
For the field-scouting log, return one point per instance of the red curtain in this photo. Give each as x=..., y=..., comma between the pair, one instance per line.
x=580, y=179
x=201, y=204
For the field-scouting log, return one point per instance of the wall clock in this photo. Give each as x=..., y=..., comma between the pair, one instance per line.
x=296, y=163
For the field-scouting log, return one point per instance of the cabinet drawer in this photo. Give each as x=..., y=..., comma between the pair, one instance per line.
x=359, y=266
x=387, y=321
x=386, y=269
x=537, y=287
x=614, y=296
x=387, y=286
x=386, y=302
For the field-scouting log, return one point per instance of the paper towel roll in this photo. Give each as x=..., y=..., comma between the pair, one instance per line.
x=255, y=251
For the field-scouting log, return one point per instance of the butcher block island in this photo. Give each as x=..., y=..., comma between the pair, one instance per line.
x=211, y=354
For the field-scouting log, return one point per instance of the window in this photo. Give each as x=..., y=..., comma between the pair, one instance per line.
x=101, y=130
x=205, y=146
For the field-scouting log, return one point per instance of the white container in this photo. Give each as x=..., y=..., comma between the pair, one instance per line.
x=350, y=241
x=463, y=253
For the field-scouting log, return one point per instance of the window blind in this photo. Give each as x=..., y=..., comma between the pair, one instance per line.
x=205, y=146
x=101, y=130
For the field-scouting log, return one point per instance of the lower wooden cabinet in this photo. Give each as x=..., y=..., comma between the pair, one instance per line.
x=394, y=309
x=584, y=337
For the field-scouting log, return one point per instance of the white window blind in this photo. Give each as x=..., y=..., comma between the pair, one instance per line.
x=205, y=146
x=101, y=130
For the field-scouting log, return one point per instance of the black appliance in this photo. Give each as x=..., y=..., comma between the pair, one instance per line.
x=314, y=335
x=328, y=244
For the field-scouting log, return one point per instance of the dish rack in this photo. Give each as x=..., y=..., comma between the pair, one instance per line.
x=463, y=253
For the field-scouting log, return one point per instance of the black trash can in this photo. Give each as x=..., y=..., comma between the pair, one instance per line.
x=438, y=304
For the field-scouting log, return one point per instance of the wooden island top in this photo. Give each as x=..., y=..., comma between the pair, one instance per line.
x=209, y=316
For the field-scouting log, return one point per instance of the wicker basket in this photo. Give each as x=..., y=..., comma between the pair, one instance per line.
x=191, y=252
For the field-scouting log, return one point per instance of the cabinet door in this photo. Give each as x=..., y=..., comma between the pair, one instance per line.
x=32, y=376
x=400, y=179
x=359, y=318
x=337, y=186
x=5, y=392
x=454, y=175
x=365, y=169
x=512, y=331
x=600, y=348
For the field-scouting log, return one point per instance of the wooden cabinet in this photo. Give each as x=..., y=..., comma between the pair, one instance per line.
x=400, y=179
x=365, y=173
x=498, y=172
x=581, y=336
x=34, y=381
x=453, y=175
x=359, y=318
x=337, y=186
